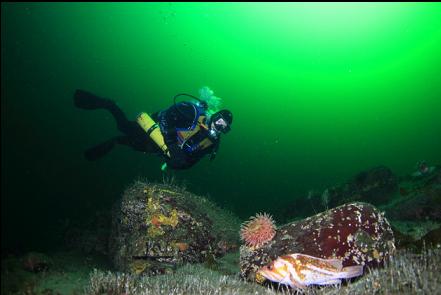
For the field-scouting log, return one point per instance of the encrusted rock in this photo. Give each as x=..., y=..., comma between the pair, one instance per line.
x=431, y=239
x=356, y=233
x=158, y=226
x=419, y=200
x=376, y=186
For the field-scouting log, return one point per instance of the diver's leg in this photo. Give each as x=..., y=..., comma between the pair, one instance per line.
x=139, y=143
x=89, y=101
x=124, y=140
x=124, y=125
x=98, y=151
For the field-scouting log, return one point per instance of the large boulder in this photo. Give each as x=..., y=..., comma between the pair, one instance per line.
x=375, y=186
x=157, y=227
x=419, y=199
x=356, y=233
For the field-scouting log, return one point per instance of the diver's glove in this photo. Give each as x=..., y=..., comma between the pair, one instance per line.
x=175, y=151
x=178, y=157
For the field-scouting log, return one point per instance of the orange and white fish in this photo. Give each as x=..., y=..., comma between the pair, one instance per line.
x=299, y=270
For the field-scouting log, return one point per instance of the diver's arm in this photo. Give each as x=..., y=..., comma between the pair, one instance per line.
x=182, y=160
x=179, y=158
x=214, y=151
x=197, y=156
x=168, y=129
x=179, y=163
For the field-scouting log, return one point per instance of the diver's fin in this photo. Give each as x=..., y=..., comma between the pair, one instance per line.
x=89, y=101
x=98, y=151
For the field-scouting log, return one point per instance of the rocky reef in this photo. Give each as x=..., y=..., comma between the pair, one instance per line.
x=164, y=229
x=419, y=198
x=375, y=186
x=356, y=233
x=157, y=227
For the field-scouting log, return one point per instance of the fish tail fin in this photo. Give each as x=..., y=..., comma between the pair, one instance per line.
x=351, y=271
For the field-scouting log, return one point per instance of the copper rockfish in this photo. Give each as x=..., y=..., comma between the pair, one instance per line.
x=299, y=270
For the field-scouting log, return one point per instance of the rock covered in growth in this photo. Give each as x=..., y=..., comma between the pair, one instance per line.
x=356, y=233
x=375, y=186
x=419, y=200
x=157, y=226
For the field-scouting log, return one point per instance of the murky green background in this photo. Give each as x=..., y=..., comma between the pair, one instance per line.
x=319, y=92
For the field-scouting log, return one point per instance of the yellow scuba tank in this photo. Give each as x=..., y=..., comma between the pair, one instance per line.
x=151, y=128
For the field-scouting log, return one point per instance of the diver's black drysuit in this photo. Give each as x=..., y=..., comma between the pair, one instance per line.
x=177, y=117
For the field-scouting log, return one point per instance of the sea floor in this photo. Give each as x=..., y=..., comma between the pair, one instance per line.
x=77, y=273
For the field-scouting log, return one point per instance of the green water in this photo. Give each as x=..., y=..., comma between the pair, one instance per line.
x=319, y=92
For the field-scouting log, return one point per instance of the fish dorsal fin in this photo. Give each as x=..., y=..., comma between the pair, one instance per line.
x=299, y=255
x=337, y=263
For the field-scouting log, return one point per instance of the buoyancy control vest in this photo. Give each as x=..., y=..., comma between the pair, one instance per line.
x=195, y=137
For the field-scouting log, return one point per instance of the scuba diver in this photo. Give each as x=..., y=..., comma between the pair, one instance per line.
x=182, y=134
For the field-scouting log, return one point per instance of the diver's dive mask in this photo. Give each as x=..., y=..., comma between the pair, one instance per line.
x=218, y=127
x=220, y=123
x=221, y=126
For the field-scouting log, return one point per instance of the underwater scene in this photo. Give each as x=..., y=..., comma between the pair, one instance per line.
x=220, y=148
